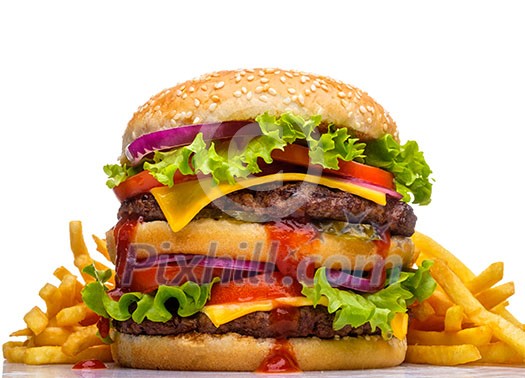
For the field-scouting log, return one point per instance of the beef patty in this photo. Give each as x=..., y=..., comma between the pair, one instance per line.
x=284, y=322
x=300, y=201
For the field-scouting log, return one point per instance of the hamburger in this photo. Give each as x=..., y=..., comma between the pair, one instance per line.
x=264, y=224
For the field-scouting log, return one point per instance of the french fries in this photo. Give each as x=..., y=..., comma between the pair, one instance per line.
x=466, y=319
x=66, y=332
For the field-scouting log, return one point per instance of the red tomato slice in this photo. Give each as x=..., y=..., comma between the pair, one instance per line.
x=260, y=287
x=142, y=182
x=296, y=154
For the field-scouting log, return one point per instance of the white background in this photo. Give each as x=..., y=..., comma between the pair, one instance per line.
x=72, y=74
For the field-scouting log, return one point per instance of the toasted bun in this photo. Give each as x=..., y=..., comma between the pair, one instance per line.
x=249, y=241
x=233, y=352
x=245, y=94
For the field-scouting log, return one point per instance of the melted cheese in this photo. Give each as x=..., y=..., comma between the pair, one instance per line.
x=223, y=313
x=182, y=202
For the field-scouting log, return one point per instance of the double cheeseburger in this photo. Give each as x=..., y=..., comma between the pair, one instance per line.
x=264, y=225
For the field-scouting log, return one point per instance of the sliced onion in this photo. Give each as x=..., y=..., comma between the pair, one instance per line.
x=184, y=135
x=354, y=282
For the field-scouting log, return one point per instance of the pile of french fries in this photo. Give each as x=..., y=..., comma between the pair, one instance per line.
x=466, y=319
x=66, y=332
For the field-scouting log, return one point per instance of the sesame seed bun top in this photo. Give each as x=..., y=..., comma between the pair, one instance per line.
x=245, y=94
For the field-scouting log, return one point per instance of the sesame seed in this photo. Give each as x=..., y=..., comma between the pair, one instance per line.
x=263, y=98
x=196, y=102
x=237, y=94
x=301, y=99
x=283, y=79
x=350, y=114
x=341, y=94
x=291, y=90
x=249, y=95
x=369, y=120
x=313, y=87
x=212, y=106
x=191, y=89
x=182, y=87
x=362, y=109
x=177, y=116
x=307, y=92
x=250, y=77
x=173, y=122
x=178, y=93
x=287, y=100
x=188, y=114
x=238, y=78
x=196, y=120
x=317, y=83
x=289, y=74
x=304, y=79
x=215, y=98
x=325, y=88
x=264, y=80
x=184, y=95
x=294, y=98
x=156, y=107
x=219, y=85
x=370, y=109
x=349, y=94
x=244, y=90
x=204, y=88
x=261, y=73
x=272, y=91
x=215, y=74
x=258, y=89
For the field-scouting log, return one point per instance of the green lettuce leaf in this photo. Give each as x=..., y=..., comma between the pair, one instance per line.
x=378, y=308
x=407, y=164
x=118, y=173
x=190, y=296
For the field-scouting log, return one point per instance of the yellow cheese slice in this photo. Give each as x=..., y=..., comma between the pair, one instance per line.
x=223, y=313
x=400, y=325
x=182, y=202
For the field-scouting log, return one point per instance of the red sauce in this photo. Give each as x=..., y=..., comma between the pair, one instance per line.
x=281, y=359
x=123, y=232
x=103, y=327
x=383, y=245
x=293, y=243
x=90, y=364
x=283, y=320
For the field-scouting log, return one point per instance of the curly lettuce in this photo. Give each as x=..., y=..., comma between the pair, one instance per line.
x=378, y=308
x=190, y=297
x=407, y=163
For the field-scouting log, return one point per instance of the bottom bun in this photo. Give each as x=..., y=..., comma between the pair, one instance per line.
x=233, y=352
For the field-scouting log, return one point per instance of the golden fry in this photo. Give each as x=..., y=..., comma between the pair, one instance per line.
x=434, y=250
x=69, y=290
x=22, y=332
x=53, y=298
x=52, y=336
x=486, y=279
x=14, y=351
x=73, y=315
x=101, y=247
x=440, y=302
x=454, y=319
x=475, y=336
x=80, y=340
x=448, y=355
x=36, y=320
x=54, y=355
x=422, y=311
x=492, y=297
x=499, y=353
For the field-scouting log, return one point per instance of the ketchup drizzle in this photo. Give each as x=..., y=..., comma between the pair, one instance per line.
x=90, y=364
x=123, y=232
x=281, y=359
